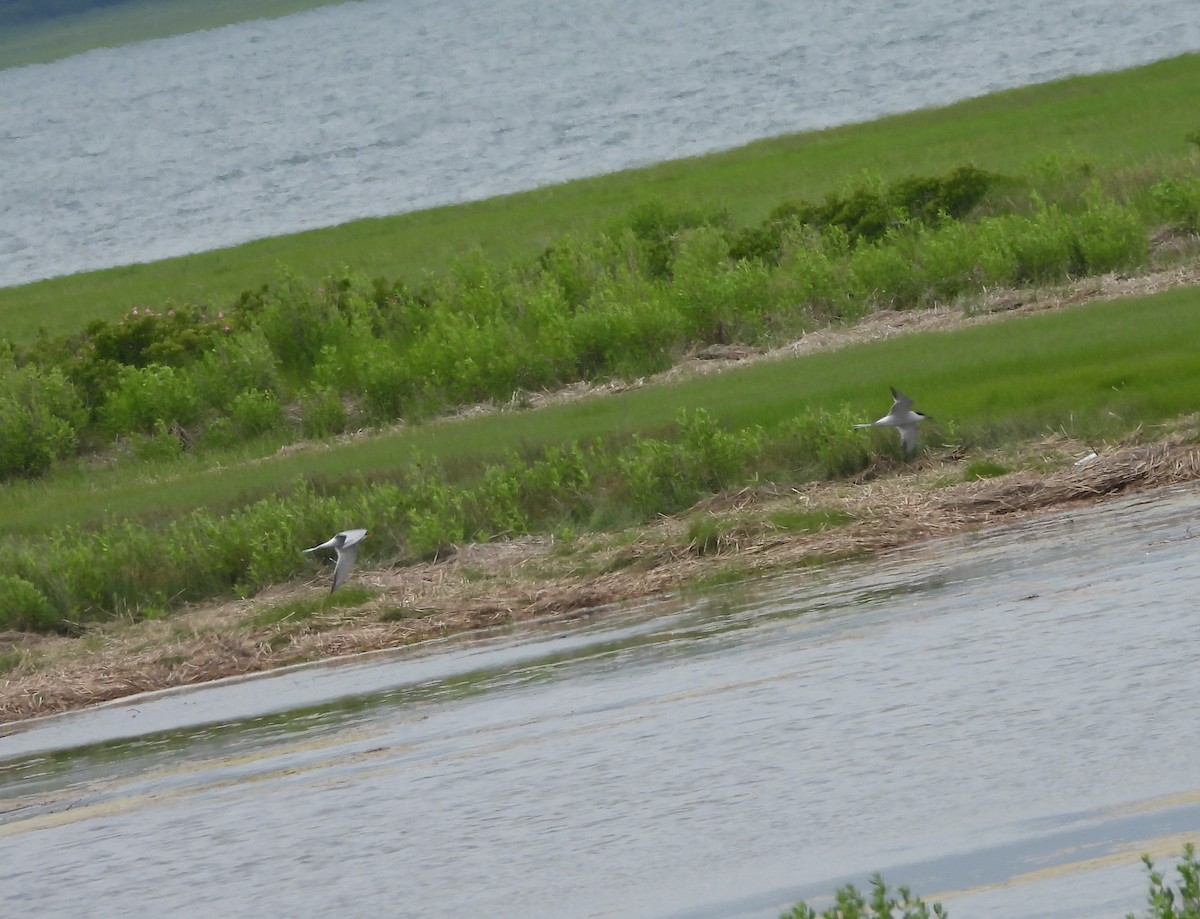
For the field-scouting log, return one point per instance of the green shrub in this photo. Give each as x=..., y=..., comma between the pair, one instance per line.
x=851, y=904
x=147, y=396
x=657, y=225
x=255, y=412
x=298, y=322
x=1178, y=200
x=322, y=412
x=1169, y=903
x=882, y=273
x=820, y=445
x=172, y=336
x=663, y=476
x=1110, y=237
x=238, y=362
x=626, y=330
x=23, y=606
x=811, y=272
x=1043, y=246
x=720, y=300
x=40, y=417
x=162, y=444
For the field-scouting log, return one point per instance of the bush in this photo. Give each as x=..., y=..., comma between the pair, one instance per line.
x=656, y=226
x=237, y=362
x=850, y=904
x=1168, y=903
x=146, y=397
x=172, y=336
x=1178, y=200
x=1110, y=237
x=1043, y=246
x=663, y=476
x=255, y=412
x=720, y=300
x=322, y=412
x=23, y=606
x=40, y=416
x=820, y=445
x=298, y=322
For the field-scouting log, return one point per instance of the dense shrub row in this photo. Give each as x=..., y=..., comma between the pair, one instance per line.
x=291, y=360
x=57, y=581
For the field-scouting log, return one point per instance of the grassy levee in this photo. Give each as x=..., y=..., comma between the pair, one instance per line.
x=1105, y=119
x=1093, y=372
x=130, y=21
x=157, y=436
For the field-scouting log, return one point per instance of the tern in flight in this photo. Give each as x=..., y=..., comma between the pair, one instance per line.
x=345, y=544
x=902, y=418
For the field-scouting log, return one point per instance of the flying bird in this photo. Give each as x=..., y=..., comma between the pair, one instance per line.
x=902, y=418
x=345, y=544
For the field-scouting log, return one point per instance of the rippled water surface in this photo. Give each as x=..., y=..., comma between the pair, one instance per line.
x=1005, y=721
x=384, y=106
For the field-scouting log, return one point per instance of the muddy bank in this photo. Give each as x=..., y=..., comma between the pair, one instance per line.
x=495, y=584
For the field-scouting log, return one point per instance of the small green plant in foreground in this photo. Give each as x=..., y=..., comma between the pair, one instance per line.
x=308, y=607
x=1165, y=901
x=1168, y=903
x=706, y=535
x=809, y=521
x=851, y=904
x=983, y=469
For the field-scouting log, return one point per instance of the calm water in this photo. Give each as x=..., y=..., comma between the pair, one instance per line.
x=1004, y=721
x=373, y=108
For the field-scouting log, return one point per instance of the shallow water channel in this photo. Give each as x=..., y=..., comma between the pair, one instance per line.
x=1002, y=721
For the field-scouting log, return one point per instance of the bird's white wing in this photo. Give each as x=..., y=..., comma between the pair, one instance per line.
x=908, y=437
x=328, y=544
x=346, y=557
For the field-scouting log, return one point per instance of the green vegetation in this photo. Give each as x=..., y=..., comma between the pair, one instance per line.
x=1067, y=128
x=134, y=542
x=40, y=31
x=299, y=611
x=849, y=903
x=983, y=469
x=1165, y=902
x=140, y=454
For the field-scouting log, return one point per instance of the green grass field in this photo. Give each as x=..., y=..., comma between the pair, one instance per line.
x=1092, y=372
x=1103, y=119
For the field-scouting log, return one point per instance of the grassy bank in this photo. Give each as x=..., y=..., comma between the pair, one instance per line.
x=1102, y=120
x=158, y=437
x=90, y=547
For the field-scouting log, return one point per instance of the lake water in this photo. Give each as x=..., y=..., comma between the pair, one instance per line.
x=373, y=108
x=1003, y=721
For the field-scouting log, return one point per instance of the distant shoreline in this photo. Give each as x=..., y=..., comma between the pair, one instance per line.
x=51, y=38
